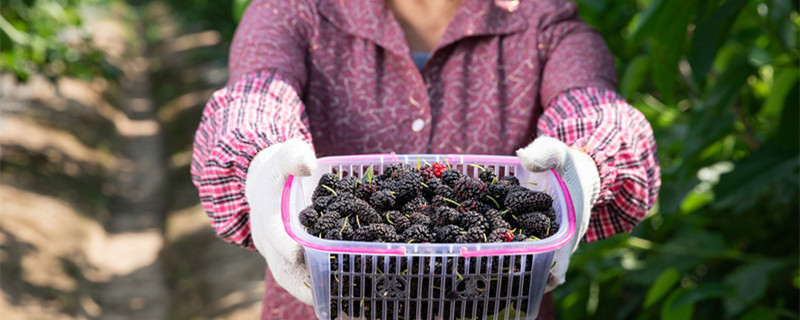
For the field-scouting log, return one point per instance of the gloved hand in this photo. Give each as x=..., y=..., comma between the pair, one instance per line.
x=263, y=186
x=579, y=172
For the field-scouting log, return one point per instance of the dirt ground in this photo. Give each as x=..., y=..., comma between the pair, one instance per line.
x=98, y=216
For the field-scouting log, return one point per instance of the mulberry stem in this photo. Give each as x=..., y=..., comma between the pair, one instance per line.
x=451, y=201
x=329, y=189
x=495, y=201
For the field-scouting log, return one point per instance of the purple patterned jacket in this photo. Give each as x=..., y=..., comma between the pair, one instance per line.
x=339, y=74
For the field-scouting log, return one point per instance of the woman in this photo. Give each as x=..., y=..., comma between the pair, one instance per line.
x=413, y=76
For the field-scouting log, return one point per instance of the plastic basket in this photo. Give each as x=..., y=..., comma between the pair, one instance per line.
x=409, y=281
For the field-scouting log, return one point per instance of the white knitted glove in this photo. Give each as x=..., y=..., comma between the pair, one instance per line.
x=579, y=173
x=265, y=178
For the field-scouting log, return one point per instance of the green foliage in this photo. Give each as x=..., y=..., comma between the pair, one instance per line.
x=49, y=36
x=719, y=82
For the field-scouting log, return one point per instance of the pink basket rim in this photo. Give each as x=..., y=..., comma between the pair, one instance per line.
x=285, y=216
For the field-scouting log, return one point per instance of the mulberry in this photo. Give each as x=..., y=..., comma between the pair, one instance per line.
x=406, y=188
x=528, y=201
x=499, y=191
x=444, y=215
x=328, y=179
x=326, y=222
x=332, y=234
x=445, y=191
x=356, y=207
x=487, y=175
x=347, y=185
x=429, y=189
x=308, y=217
x=496, y=221
x=500, y=235
x=375, y=232
x=450, y=177
x=509, y=180
x=398, y=220
x=448, y=233
x=320, y=203
x=473, y=235
x=468, y=188
x=344, y=228
x=417, y=233
x=322, y=190
x=472, y=205
x=472, y=219
x=420, y=218
x=365, y=191
x=414, y=205
x=382, y=200
x=536, y=223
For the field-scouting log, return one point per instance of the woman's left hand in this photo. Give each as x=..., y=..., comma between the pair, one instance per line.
x=579, y=172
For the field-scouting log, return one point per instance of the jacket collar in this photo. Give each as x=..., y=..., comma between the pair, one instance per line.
x=374, y=20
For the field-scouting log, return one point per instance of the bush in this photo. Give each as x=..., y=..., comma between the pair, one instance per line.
x=718, y=81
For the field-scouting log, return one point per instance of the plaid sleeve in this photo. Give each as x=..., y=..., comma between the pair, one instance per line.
x=238, y=121
x=620, y=140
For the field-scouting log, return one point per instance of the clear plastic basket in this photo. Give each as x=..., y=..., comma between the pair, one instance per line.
x=410, y=281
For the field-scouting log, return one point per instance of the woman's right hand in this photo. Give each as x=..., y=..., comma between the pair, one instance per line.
x=265, y=179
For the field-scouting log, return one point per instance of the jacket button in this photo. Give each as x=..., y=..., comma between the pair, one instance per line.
x=417, y=125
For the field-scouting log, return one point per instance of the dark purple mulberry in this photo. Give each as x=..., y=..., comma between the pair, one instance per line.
x=473, y=235
x=443, y=215
x=376, y=233
x=356, y=208
x=528, y=201
x=500, y=235
x=509, y=180
x=365, y=191
x=487, y=175
x=420, y=218
x=347, y=185
x=429, y=189
x=468, y=188
x=320, y=203
x=308, y=217
x=496, y=220
x=398, y=220
x=445, y=191
x=472, y=219
x=450, y=177
x=536, y=223
x=417, y=233
x=326, y=222
x=414, y=205
x=448, y=233
x=382, y=200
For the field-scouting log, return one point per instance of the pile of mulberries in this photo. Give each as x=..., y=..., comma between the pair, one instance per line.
x=424, y=204
x=414, y=203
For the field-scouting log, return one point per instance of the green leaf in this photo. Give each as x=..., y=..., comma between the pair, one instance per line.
x=754, y=173
x=661, y=286
x=634, y=76
x=759, y=313
x=709, y=35
x=664, y=78
x=749, y=283
x=720, y=97
x=785, y=81
x=705, y=128
x=239, y=7
x=787, y=134
x=702, y=292
x=684, y=312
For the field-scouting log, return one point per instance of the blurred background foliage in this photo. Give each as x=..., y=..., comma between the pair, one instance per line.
x=719, y=82
x=50, y=37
